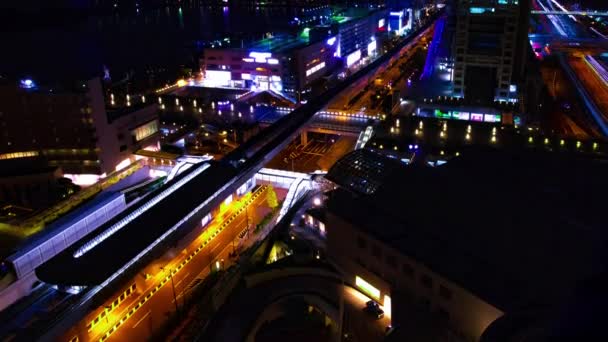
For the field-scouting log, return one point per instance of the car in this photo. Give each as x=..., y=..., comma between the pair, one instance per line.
x=375, y=312
x=372, y=303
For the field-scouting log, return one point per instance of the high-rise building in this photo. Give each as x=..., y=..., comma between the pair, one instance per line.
x=487, y=50
x=70, y=127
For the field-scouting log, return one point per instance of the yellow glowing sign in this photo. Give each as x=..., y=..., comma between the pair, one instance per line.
x=367, y=287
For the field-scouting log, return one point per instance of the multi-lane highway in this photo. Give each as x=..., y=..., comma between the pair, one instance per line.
x=594, y=85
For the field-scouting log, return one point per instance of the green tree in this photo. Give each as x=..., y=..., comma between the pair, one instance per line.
x=272, y=200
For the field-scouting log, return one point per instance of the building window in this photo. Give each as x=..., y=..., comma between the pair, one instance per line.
x=426, y=281
x=445, y=293
x=391, y=261
x=376, y=251
x=145, y=130
x=408, y=270
x=361, y=243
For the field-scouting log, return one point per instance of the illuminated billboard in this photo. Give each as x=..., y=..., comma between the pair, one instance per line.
x=476, y=117
x=460, y=115
x=371, y=47
x=366, y=287
x=381, y=23
x=443, y=114
x=215, y=78
x=491, y=118
x=353, y=58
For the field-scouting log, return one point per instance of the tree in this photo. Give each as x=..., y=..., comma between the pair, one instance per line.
x=272, y=200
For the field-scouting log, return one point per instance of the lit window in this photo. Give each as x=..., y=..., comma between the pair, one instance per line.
x=146, y=130
x=16, y=155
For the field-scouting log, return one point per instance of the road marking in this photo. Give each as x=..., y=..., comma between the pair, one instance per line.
x=141, y=319
x=184, y=277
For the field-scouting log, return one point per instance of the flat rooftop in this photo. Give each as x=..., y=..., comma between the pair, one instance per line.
x=516, y=228
x=279, y=43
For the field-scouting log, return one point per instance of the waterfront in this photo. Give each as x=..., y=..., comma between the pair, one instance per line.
x=158, y=42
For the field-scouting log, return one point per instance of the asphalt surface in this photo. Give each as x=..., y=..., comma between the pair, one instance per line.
x=596, y=88
x=386, y=72
x=142, y=324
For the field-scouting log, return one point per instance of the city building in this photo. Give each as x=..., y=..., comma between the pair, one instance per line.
x=488, y=50
x=357, y=30
x=483, y=244
x=31, y=183
x=284, y=64
x=288, y=64
x=71, y=128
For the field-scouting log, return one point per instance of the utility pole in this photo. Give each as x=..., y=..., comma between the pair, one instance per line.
x=173, y=288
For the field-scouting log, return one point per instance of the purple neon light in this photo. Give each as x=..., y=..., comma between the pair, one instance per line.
x=598, y=68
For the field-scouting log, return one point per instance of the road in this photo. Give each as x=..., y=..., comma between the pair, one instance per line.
x=596, y=88
x=566, y=116
x=303, y=157
x=147, y=318
x=386, y=73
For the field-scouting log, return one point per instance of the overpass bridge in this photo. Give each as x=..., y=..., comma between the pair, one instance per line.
x=96, y=266
x=339, y=122
x=583, y=13
x=567, y=44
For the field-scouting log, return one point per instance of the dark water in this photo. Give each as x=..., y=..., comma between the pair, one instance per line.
x=146, y=41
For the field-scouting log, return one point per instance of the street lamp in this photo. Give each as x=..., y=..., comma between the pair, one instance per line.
x=172, y=287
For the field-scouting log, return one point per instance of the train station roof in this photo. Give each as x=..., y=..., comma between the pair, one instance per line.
x=99, y=255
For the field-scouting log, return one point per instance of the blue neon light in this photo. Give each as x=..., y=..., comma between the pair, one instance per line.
x=480, y=10
x=27, y=83
x=430, y=57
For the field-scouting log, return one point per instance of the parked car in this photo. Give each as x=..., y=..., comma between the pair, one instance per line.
x=373, y=308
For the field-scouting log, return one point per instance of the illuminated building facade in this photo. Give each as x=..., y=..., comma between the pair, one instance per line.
x=282, y=64
x=357, y=29
x=289, y=64
x=487, y=50
x=70, y=127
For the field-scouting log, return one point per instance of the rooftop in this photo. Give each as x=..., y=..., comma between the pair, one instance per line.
x=280, y=43
x=489, y=220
